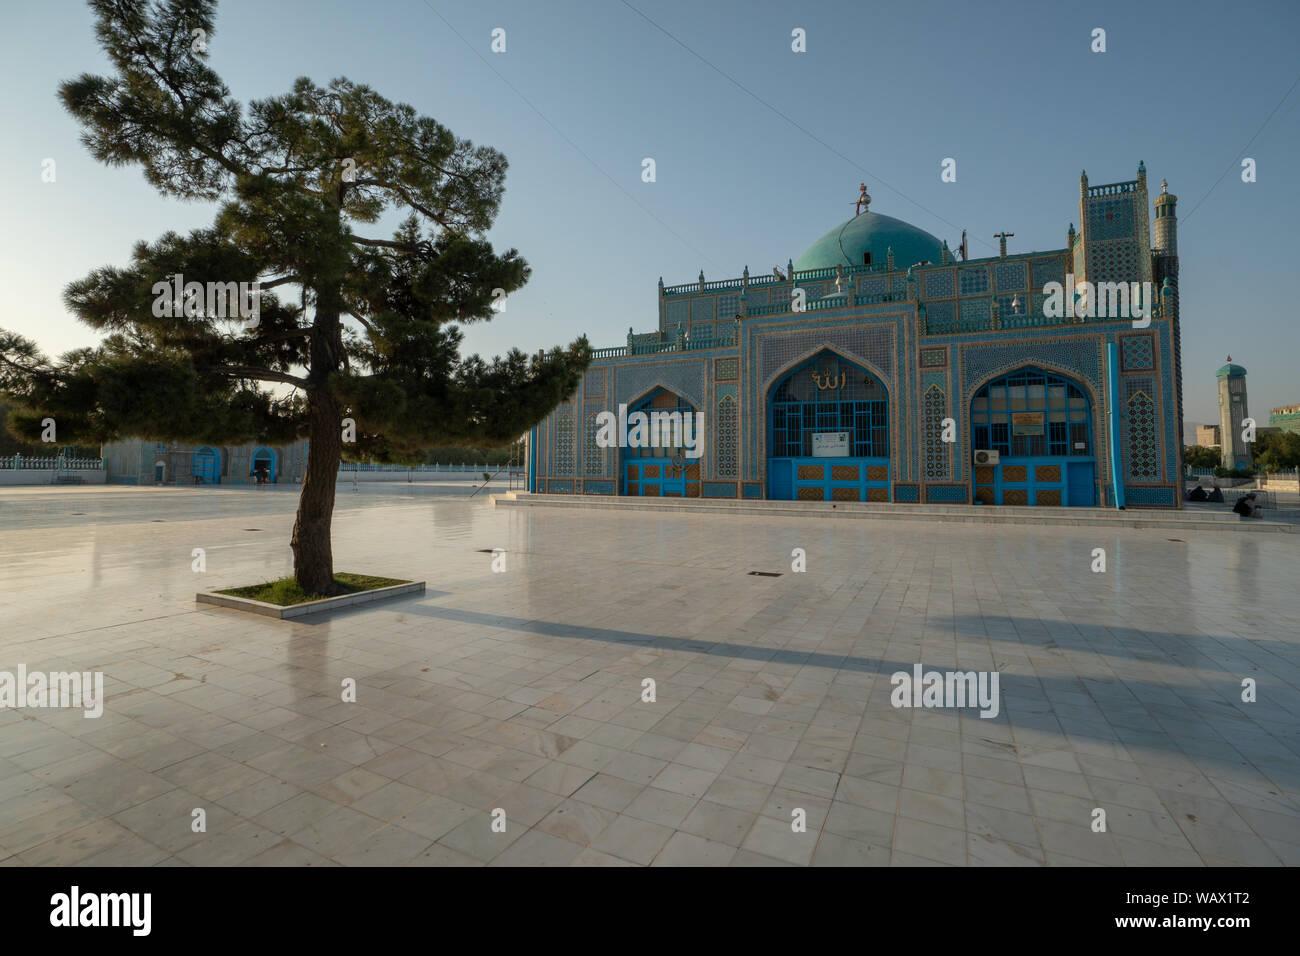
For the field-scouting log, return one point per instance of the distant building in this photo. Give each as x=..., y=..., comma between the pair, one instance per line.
x=1232, y=411
x=1207, y=436
x=139, y=462
x=1286, y=418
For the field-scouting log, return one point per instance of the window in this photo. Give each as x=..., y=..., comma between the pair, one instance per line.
x=866, y=258
x=801, y=405
x=1031, y=413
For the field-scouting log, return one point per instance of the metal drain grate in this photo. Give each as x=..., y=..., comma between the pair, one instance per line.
x=766, y=574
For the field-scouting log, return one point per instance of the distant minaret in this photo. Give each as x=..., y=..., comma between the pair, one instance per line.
x=1232, y=410
x=1164, y=269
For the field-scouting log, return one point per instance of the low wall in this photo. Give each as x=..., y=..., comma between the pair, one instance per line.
x=23, y=476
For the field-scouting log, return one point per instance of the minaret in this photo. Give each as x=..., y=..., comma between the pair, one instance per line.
x=1164, y=272
x=1232, y=411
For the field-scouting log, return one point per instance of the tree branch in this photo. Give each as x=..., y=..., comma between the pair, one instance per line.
x=263, y=375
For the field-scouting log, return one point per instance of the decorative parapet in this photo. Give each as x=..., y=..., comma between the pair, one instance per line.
x=1113, y=189
x=748, y=281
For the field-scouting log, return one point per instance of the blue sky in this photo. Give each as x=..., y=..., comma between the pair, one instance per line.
x=1012, y=91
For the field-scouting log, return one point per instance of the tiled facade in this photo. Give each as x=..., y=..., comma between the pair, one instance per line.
x=933, y=334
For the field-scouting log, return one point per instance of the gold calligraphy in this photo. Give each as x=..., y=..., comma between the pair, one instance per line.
x=830, y=382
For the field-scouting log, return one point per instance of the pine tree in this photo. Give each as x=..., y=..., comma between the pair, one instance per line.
x=371, y=329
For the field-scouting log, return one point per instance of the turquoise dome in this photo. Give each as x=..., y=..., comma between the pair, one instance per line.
x=1230, y=371
x=874, y=233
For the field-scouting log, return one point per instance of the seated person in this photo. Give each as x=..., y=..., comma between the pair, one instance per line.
x=1247, y=508
x=1216, y=494
x=1197, y=494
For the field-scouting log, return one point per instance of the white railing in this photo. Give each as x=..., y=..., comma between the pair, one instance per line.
x=31, y=463
x=350, y=467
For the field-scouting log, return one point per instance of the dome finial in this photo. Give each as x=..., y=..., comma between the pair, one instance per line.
x=863, y=199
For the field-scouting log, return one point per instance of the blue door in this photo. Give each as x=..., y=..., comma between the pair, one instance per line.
x=1082, y=484
x=205, y=467
x=654, y=478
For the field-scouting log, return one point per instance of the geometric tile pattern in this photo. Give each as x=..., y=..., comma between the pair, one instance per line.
x=564, y=445
x=935, y=464
x=876, y=345
x=727, y=437
x=702, y=309
x=934, y=358
x=1142, y=461
x=1010, y=276
x=593, y=383
x=973, y=280
x=684, y=377
x=938, y=285
x=1110, y=219
x=726, y=369
x=1136, y=351
x=593, y=456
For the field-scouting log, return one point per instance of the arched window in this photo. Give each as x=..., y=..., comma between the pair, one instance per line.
x=829, y=394
x=665, y=434
x=1032, y=413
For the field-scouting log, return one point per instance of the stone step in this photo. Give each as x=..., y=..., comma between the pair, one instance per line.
x=965, y=514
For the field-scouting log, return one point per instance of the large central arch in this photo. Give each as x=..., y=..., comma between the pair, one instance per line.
x=828, y=432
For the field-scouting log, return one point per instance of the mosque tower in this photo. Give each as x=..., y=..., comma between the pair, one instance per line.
x=1164, y=261
x=1232, y=411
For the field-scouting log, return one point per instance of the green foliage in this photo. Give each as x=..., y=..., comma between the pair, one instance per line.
x=371, y=327
x=370, y=324
x=1198, y=456
x=1221, y=472
x=286, y=591
x=1277, y=451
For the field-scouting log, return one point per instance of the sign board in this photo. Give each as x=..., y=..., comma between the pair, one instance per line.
x=830, y=444
x=1026, y=423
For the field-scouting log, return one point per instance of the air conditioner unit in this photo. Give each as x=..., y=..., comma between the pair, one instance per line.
x=986, y=456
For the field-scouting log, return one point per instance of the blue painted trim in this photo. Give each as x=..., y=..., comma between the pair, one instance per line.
x=532, y=461
x=1112, y=417
x=262, y=451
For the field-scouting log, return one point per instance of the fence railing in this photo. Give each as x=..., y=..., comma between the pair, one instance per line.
x=350, y=467
x=31, y=463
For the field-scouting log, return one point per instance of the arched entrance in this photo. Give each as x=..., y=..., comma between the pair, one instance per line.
x=652, y=456
x=828, y=433
x=205, y=466
x=262, y=467
x=1040, y=425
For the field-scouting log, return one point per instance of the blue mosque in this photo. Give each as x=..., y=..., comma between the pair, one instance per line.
x=882, y=366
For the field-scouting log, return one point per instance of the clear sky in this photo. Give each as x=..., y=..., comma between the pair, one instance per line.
x=883, y=94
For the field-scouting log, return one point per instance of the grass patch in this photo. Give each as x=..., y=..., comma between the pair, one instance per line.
x=286, y=592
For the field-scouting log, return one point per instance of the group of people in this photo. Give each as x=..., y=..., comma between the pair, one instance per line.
x=1247, y=505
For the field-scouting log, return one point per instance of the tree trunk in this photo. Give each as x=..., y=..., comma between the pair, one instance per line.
x=313, y=554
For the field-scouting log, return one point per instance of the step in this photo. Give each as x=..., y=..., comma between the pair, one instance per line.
x=965, y=514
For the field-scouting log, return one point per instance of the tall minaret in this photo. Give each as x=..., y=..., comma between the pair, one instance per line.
x=1164, y=270
x=1232, y=410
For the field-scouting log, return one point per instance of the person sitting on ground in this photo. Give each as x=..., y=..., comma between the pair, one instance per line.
x=1197, y=494
x=1245, y=506
x=1216, y=494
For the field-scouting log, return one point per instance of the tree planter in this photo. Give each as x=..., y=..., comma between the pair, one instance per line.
x=288, y=611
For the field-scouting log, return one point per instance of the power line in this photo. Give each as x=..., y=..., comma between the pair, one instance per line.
x=1233, y=161
x=793, y=122
x=532, y=106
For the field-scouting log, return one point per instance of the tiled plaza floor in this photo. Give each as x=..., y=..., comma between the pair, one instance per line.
x=522, y=690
